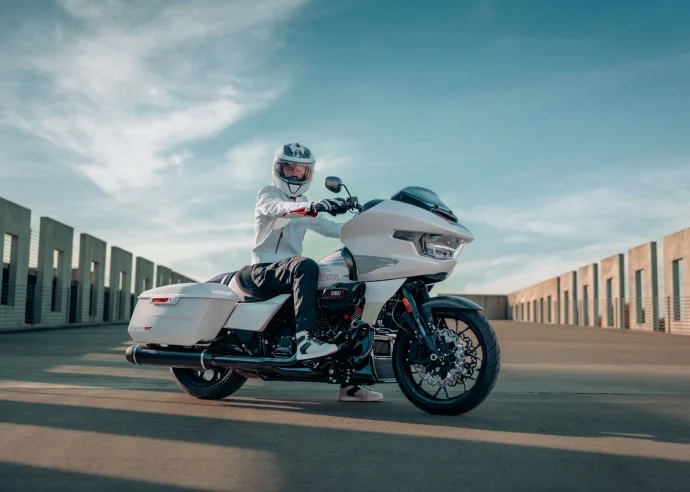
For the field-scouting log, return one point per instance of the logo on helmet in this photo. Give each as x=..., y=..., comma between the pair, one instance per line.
x=298, y=150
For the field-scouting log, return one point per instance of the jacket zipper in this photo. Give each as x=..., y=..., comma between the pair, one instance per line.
x=279, y=238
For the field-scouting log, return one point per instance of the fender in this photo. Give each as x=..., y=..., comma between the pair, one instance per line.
x=455, y=302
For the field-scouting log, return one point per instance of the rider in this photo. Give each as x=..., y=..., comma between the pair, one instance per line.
x=281, y=219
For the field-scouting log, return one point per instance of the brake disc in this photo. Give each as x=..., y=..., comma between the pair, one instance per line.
x=455, y=371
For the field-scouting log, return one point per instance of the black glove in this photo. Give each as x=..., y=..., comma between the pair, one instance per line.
x=330, y=205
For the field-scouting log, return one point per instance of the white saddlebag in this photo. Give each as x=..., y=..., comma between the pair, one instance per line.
x=181, y=314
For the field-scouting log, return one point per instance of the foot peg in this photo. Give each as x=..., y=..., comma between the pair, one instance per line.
x=285, y=347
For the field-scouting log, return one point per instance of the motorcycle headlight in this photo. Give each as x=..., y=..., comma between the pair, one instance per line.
x=438, y=246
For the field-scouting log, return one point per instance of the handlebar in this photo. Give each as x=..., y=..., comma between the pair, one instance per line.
x=335, y=184
x=351, y=203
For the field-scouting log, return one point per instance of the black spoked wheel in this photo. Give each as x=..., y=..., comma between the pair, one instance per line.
x=464, y=375
x=209, y=384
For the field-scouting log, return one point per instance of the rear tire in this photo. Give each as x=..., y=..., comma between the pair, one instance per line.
x=224, y=382
x=486, y=376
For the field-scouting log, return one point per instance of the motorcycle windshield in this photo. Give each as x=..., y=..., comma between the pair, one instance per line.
x=426, y=199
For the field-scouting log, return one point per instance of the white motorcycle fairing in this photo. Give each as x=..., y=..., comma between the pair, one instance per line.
x=380, y=255
x=255, y=316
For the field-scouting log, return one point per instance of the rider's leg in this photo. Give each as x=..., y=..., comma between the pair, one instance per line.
x=300, y=276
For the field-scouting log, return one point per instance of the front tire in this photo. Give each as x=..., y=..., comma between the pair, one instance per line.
x=212, y=384
x=485, y=376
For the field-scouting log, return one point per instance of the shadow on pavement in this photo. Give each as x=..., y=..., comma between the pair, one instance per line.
x=318, y=458
x=15, y=477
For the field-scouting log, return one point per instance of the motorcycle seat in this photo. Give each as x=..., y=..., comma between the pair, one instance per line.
x=225, y=278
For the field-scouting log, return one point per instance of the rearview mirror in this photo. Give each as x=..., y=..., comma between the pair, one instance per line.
x=334, y=184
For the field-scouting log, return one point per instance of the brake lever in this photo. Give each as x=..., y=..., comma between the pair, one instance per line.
x=355, y=204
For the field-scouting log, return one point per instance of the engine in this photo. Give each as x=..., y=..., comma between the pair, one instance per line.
x=339, y=314
x=340, y=307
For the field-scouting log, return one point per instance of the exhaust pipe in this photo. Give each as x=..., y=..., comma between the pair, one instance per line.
x=142, y=355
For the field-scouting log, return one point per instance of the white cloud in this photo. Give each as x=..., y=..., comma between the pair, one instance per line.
x=123, y=94
x=650, y=197
x=247, y=165
x=131, y=82
x=530, y=271
x=200, y=254
x=509, y=274
x=334, y=164
x=584, y=225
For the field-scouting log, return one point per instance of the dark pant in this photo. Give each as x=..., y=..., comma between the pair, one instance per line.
x=296, y=275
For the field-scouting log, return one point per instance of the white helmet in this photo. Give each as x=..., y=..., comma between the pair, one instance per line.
x=293, y=169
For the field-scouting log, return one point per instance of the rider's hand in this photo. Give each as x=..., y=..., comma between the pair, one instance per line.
x=330, y=205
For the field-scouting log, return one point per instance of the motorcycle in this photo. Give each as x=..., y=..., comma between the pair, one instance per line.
x=374, y=303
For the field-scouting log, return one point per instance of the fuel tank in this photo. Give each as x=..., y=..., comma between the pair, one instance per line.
x=333, y=269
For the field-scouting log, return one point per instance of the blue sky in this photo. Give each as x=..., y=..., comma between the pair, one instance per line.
x=558, y=131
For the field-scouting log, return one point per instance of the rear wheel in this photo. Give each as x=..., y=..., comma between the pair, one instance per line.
x=465, y=374
x=210, y=384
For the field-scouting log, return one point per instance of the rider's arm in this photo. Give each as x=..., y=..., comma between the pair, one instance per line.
x=271, y=205
x=325, y=227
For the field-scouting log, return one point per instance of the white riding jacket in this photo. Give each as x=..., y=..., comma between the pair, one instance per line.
x=280, y=224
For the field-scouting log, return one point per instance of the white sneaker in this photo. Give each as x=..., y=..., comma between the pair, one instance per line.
x=358, y=393
x=310, y=347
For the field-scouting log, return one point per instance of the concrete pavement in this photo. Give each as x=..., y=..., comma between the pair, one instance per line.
x=574, y=409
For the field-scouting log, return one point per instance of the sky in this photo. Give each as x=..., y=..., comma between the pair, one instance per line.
x=556, y=131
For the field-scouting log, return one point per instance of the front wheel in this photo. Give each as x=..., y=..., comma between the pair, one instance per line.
x=210, y=384
x=465, y=374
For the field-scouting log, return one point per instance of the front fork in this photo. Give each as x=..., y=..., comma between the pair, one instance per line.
x=421, y=322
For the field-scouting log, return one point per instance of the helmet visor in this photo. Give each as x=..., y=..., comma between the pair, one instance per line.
x=293, y=172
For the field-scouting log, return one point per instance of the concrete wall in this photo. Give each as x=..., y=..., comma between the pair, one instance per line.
x=52, y=293
x=677, y=281
x=521, y=305
x=613, y=299
x=120, y=295
x=537, y=298
x=163, y=276
x=588, y=295
x=53, y=236
x=546, y=294
x=644, y=308
x=568, y=298
x=532, y=304
x=525, y=304
x=514, y=303
x=90, y=297
x=144, y=275
x=16, y=221
x=512, y=310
